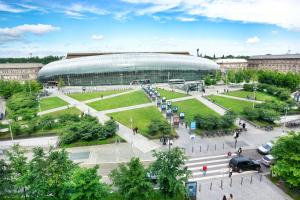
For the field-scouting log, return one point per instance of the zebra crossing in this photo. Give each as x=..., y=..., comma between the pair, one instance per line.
x=217, y=167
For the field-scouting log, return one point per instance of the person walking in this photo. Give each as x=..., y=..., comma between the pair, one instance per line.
x=230, y=197
x=224, y=197
x=230, y=172
x=204, y=169
x=239, y=151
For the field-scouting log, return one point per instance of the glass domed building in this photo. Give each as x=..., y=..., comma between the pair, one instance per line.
x=127, y=68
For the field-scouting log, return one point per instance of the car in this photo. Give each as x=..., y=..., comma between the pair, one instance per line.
x=241, y=163
x=152, y=176
x=268, y=160
x=265, y=148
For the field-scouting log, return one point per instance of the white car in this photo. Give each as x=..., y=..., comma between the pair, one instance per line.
x=268, y=160
x=265, y=148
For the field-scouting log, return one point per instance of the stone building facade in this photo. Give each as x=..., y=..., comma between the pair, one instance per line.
x=234, y=63
x=19, y=71
x=283, y=63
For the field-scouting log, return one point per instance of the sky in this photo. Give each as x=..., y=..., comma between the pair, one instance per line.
x=220, y=27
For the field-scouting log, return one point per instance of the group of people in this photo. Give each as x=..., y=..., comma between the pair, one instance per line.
x=229, y=198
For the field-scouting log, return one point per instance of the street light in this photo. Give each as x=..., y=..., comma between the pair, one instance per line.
x=38, y=98
x=254, y=90
x=286, y=108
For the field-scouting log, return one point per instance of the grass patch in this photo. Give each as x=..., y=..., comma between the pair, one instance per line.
x=125, y=100
x=260, y=96
x=72, y=111
x=92, y=95
x=193, y=107
x=169, y=94
x=141, y=118
x=97, y=142
x=233, y=104
x=52, y=102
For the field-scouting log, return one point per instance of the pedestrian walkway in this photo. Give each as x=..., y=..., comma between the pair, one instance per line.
x=209, y=104
x=217, y=167
x=238, y=98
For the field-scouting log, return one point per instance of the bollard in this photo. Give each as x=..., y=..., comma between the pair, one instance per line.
x=210, y=186
x=200, y=148
x=260, y=177
x=207, y=147
x=242, y=180
x=222, y=184
x=215, y=147
x=199, y=187
x=223, y=145
x=192, y=149
x=230, y=182
x=251, y=180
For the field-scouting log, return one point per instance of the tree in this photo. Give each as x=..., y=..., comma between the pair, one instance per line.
x=159, y=127
x=286, y=151
x=131, y=180
x=61, y=83
x=171, y=175
x=85, y=184
x=6, y=183
x=18, y=164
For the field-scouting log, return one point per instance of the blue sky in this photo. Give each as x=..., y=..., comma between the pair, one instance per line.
x=238, y=27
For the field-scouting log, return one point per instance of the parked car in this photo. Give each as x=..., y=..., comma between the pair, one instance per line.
x=268, y=160
x=241, y=163
x=265, y=148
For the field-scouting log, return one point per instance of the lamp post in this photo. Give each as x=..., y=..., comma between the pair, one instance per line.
x=254, y=90
x=11, y=133
x=38, y=98
x=286, y=108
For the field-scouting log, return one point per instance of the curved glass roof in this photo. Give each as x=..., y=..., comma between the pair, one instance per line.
x=126, y=62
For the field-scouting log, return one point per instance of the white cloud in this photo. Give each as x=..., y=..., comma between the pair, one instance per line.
x=7, y=8
x=77, y=10
x=253, y=40
x=186, y=19
x=18, y=32
x=97, y=37
x=283, y=13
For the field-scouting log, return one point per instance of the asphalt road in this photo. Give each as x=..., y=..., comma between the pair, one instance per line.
x=253, y=154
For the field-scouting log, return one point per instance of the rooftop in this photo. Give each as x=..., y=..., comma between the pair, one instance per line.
x=83, y=54
x=20, y=65
x=281, y=56
x=231, y=60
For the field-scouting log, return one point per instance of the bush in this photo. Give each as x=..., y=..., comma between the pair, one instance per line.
x=159, y=127
x=251, y=114
x=248, y=87
x=15, y=128
x=268, y=115
x=46, y=122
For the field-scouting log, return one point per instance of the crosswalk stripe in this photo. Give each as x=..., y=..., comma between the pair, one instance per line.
x=210, y=157
x=208, y=166
x=207, y=162
x=219, y=176
x=223, y=170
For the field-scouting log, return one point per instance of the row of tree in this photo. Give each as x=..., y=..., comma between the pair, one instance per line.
x=36, y=59
x=9, y=88
x=52, y=175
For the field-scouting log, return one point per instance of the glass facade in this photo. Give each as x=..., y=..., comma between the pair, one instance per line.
x=125, y=68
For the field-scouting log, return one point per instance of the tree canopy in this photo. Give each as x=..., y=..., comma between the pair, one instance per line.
x=286, y=151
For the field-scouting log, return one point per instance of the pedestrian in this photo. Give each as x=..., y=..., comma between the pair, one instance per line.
x=136, y=129
x=224, y=90
x=230, y=197
x=186, y=124
x=240, y=151
x=217, y=91
x=230, y=172
x=244, y=125
x=204, y=169
x=227, y=90
x=224, y=197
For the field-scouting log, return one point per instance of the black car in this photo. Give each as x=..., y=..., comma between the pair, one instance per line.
x=241, y=163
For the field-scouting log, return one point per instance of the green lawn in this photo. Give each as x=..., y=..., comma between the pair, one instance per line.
x=193, y=107
x=232, y=104
x=141, y=118
x=93, y=95
x=51, y=102
x=170, y=94
x=125, y=100
x=260, y=96
x=71, y=110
